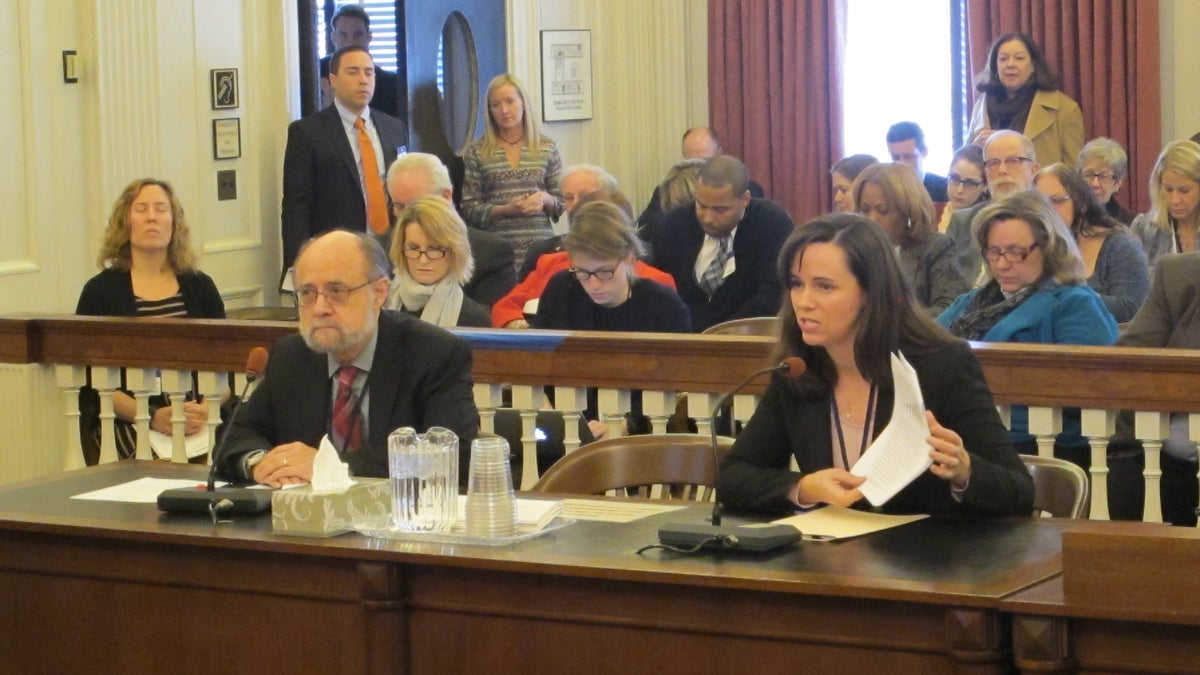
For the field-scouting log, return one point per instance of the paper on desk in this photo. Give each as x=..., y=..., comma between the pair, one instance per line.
x=195, y=445
x=899, y=454
x=831, y=522
x=611, y=511
x=140, y=491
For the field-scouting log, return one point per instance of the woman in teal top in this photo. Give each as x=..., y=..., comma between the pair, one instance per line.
x=1036, y=292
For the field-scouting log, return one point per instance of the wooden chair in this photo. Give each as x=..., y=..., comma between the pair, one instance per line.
x=662, y=466
x=1060, y=488
x=767, y=326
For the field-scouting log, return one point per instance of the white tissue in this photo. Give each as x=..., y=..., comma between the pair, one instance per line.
x=330, y=474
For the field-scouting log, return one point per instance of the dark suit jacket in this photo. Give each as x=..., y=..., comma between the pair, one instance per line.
x=421, y=378
x=752, y=290
x=652, y=216
x=754, y=475
x=935, y=185
x=1170, y=316
x=321, y=187
x=493, y=277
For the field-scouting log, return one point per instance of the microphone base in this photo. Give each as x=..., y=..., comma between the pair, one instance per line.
x=199, y=500
x=749, y=538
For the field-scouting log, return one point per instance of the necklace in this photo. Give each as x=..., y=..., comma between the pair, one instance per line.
x=511, y=144
x=867, y=423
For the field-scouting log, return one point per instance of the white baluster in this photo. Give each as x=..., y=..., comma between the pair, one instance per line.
x=700, y=407
x=142, y=382
x=176, y=384
x=212, y=386
x=528, y=399
x=1098, y=426
x=571, y=401
x=106, y=381
x=743, y=408
x=488, y=397
x=611, y=406
x=658, y=406
x=1152, y=428
x=70, y=379
x=1045, y=423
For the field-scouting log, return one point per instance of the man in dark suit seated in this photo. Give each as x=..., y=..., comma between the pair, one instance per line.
x=906, y=145
x=721, y=250
x=419, y=174
x=328, y=181
x=353, y=372
x=351, y=26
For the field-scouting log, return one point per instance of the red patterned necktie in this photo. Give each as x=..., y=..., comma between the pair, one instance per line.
x=347, y=420
x=377, y=209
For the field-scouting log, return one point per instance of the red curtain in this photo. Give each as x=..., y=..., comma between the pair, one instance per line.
x=1105, y=53
x=774, y=74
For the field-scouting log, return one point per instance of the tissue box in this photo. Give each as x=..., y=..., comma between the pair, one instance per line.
x=304, y=513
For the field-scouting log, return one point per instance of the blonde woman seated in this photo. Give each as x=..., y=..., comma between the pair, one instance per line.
x=893, y=197
x=432, y=261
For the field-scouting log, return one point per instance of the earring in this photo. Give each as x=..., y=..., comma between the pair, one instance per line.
x=910, y=223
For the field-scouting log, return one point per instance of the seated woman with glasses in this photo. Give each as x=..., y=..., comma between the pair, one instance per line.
x=966, y=183
x=1113, y=259
x=1036, y=292
x=432, y=261
x=601, y=289
x=1103, y=163
x=148, y=268
x=893, y=197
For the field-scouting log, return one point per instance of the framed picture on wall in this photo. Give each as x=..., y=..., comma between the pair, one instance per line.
x=227, y=138
x=566, y=75
x=224, y=88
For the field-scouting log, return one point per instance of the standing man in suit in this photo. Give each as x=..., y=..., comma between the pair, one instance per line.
x=353, y=372
x=328, y=181
x=351, y=26
x=418, y=174
x=721, y=250
x=906, y=145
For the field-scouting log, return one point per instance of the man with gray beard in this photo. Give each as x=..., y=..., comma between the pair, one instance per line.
x=354, y=372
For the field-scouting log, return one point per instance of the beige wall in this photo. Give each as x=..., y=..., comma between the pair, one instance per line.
x=141, y=107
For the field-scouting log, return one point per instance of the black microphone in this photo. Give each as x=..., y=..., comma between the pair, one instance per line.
x=225, y=500
x=757, y=538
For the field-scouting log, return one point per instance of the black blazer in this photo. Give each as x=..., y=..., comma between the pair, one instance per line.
x=321, y=187
x=752, y=290
x=110, y=293
x=754, y=475
x=421, y=377
x=494, y=276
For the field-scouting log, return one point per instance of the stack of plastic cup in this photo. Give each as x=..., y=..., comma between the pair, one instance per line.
x=491, y=504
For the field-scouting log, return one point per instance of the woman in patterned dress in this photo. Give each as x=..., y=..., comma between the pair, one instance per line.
x=512, y=181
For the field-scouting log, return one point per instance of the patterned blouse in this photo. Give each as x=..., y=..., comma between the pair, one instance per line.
x=490, y=181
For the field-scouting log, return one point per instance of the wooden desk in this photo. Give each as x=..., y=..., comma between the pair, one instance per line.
x=1123, y=603
x=106, y=587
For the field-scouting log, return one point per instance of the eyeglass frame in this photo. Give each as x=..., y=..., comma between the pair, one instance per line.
x=603, y=274
x=1010, y=163
x=954, y=179
x=427, y=252
x=328, y=292
x=1103, y=176
x=994, y=253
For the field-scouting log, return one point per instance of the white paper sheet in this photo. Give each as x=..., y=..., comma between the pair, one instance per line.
x=140, y=491
x=195, y=445
x=899, y=453
x=830, y=523
x=612, y=512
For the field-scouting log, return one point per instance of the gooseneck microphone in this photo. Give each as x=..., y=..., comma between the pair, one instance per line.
x=210, y=500
x=689, y=537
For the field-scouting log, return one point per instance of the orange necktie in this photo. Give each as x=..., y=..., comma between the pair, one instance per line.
x=377, y=215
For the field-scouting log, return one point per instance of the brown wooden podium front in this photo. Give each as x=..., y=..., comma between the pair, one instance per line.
x=106, y=587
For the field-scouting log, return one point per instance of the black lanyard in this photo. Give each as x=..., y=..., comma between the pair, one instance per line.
x=868, y=423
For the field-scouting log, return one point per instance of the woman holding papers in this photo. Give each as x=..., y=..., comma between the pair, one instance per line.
x=148, y=268
x=847, y=310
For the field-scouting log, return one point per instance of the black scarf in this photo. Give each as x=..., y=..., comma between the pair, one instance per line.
x=986, y=309
x=1009, y=111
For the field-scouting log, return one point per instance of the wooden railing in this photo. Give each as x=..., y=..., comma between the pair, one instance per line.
x=59, y=353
